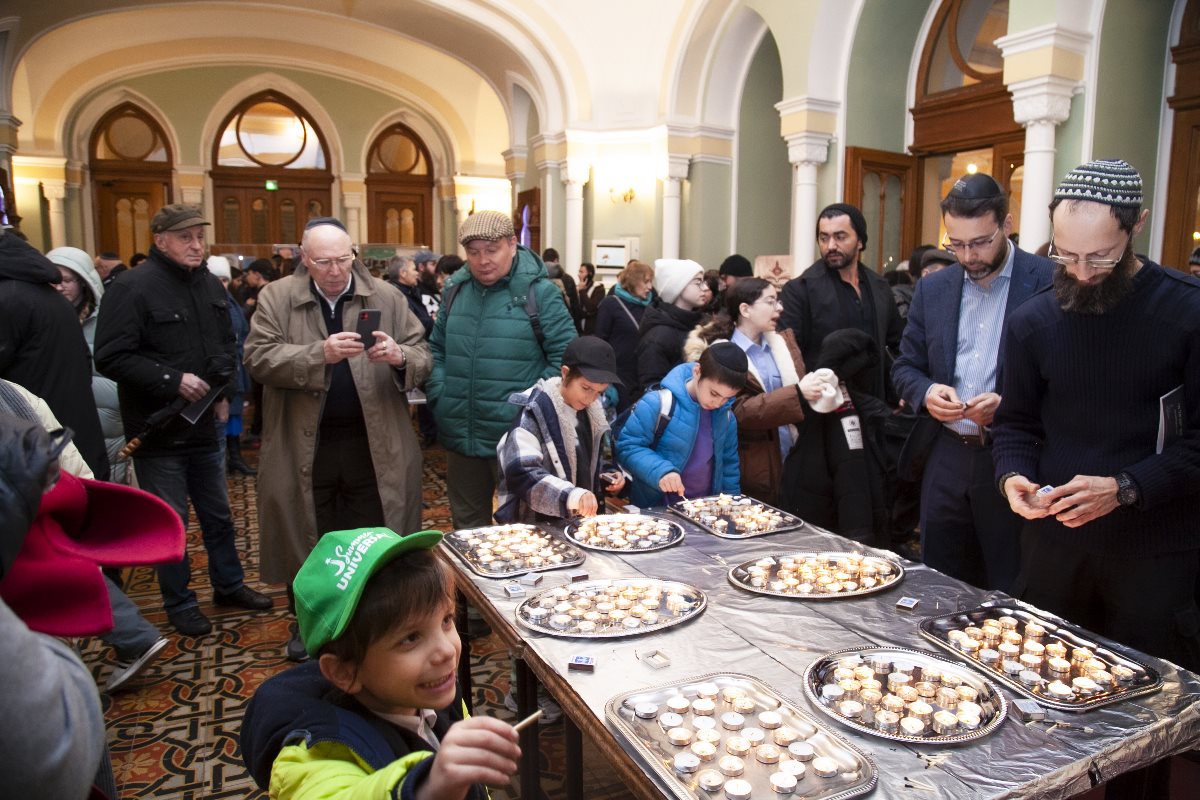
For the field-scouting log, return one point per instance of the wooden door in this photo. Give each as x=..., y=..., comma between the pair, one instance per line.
x=885, y=187
x=400, y=214
x=250, y=219
x=124, y=209
x=528, y=219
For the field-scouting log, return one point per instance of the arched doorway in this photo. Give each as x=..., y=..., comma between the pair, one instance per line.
x=130, y=162
x=270, y=175
x=962, y=122
x=399, y=189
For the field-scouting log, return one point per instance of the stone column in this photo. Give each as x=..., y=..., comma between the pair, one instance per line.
x=1040, y=104
x=8, y=146
x=574, y=177
x=514, y=169
x=1042, y=68
x=56, y=192
x=677, y=172
x=806, y=151
x=352, y=202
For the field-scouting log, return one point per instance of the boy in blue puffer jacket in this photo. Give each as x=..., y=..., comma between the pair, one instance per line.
x=696, y=454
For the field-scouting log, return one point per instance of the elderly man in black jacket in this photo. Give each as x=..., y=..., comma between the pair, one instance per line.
x=166, y=338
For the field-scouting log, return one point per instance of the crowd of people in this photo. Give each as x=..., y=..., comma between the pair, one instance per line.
x=1036, y=418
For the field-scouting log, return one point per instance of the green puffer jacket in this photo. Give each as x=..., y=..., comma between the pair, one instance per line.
x=485, y=350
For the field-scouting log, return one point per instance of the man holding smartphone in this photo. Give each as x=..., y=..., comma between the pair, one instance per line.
x=336, y=350
x=947, y=368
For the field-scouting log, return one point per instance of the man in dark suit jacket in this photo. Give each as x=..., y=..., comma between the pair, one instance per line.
x=947, y=370
x=838, y=292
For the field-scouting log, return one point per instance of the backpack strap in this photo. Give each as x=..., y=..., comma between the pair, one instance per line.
x=535, y=321
x=666, y=409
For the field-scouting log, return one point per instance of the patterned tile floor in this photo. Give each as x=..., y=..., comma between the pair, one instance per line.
x=173, y=735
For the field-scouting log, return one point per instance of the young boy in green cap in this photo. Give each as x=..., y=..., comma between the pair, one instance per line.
x=377, y=713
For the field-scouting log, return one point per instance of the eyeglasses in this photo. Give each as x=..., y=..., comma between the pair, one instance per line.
x=771, y=301
x=326, y=263
x=1094, y=263
x=954, y=247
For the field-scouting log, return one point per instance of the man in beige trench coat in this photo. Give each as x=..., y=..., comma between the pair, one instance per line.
x=338, y=448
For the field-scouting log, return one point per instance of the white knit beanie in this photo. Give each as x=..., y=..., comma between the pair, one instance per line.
x=671, y=275
x=219, y=266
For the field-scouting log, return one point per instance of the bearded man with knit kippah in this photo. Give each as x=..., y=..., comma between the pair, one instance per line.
x=1101, y=388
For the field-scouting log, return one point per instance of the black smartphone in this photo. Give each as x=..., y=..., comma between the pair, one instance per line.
x=368, y=323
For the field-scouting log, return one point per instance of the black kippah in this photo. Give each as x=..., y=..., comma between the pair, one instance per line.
x=729, y=356
x=334, y=221
x=979, y=186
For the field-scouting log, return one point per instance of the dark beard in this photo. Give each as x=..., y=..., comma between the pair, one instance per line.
x=996, y=264
x=1101, y=298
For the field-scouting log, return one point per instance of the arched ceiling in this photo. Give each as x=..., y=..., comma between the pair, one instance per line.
x=458, y=59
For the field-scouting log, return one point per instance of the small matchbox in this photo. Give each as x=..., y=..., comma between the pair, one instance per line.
x=576, y=575
x=514, y=590
x=907, y=603
x=582, y=664
x=656, y=658
x=532, y=579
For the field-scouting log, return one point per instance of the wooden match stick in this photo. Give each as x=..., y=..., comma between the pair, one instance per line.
x=525, y=723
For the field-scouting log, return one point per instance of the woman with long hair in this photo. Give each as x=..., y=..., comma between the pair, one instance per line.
x=617, y=321
x=591, y=295
x=771, y=405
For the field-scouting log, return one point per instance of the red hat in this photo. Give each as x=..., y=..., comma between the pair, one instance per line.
x=54, y=585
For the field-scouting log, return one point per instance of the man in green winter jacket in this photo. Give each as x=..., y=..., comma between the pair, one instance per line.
x=490, y=340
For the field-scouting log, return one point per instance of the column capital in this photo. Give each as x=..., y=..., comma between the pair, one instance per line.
x=515, y=163
x=808, y=147
x=352, y=200
x=54, y=189
x=575, y=171
x=677, y=167
x=1046, y=99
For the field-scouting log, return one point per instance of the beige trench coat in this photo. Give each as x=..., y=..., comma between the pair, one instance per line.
x=285, y=353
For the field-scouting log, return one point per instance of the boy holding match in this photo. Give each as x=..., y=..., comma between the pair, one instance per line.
x=377, y=713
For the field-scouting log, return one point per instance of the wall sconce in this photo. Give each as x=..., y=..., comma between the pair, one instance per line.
x=626, y=196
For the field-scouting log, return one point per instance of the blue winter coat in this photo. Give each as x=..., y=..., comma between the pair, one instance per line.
x=675, y=446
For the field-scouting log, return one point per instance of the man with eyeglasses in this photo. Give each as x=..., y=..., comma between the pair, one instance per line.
x=339, y=451
x=947, y=370
x=165, y=336
x=1097, y=442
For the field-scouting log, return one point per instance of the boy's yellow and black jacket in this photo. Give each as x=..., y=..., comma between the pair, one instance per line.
x=303, y=738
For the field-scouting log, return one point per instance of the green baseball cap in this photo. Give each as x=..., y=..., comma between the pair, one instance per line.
x=333, y=577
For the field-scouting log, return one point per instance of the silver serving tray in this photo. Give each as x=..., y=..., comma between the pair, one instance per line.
x=994, y=706
x=740, y=575
x=648, y=740
x=790, y=521
x=674, y=536
x=1146, y=679
x=464, y=545
x=607, y=628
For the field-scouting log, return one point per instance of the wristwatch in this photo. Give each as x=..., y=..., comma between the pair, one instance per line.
x=1127, y=490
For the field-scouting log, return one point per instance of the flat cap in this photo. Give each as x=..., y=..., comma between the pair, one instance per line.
x=489, y=225
x=176, y=217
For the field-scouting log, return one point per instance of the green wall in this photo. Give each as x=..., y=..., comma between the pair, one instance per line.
x=187, y=96
x=878, y=78
x=704, y=227
x=764, y=176
x=1133, y=49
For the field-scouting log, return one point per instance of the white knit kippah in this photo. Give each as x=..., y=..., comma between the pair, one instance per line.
x=1113, y=183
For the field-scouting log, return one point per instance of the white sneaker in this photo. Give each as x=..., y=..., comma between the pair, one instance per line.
x=551, y=713
x=125, y=671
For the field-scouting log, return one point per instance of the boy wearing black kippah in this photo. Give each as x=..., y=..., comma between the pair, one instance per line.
x=695, y=454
